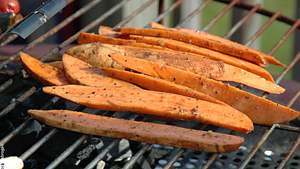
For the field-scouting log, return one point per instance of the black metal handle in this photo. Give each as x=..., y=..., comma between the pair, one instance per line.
x=37, y=18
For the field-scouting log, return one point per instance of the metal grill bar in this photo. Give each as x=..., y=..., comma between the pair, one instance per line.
x=257, y=146
x=9, y=39
x=6, y=84
x=263, y=28
x=262, y=11
x=54, y=30
x=195, y=12
x=23, y=125
x=66, y=153
x=100, y=156
x=15, y=132
x=38, y=144
x=220, y=15
x=129, y=164
x=242, y=21
x=210, y=161
x=285, y=37
x=15, y=102
x=135, y=13
x=173, y=158
x=288, y=68
x=171, y=8
x=291, y=152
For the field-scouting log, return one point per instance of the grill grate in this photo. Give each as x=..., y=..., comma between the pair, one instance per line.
x=251, y=155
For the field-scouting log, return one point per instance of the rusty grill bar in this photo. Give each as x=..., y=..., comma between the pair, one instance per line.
x=176, y=153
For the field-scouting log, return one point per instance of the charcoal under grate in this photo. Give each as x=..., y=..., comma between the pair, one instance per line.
x=41, y=146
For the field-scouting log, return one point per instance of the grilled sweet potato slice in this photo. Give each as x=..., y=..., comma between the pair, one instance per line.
x=46, y=73
x=260, y=110
x=185, y=47
x=80, y=72
x=203, y=39
x=154, y=103
x=90, y=38
x=156, y=84
x=138, y=131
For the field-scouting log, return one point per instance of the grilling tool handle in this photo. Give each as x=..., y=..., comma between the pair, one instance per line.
x=37, y=18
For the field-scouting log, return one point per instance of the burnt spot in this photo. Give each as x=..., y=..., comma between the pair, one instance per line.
x=174, y=78
x=194, y=111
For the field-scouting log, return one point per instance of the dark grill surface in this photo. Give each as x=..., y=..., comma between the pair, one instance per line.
x=41, y=146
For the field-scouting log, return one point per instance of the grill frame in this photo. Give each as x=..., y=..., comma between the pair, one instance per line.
x=252, y=9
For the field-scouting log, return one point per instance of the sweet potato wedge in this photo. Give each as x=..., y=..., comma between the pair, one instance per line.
x=187, y=61
x=268, y=58
x=90, y=38
x=202, y=39
x=156, y=84
x=138, y=131
x=185, y=47
x=154, y=103
x=260, y=110
x=80, y=72
x=200, y=65
x=106, y=30
x=45, y=73
x=156, y=25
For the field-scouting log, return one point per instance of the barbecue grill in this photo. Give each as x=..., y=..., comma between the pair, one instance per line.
x=41, y=146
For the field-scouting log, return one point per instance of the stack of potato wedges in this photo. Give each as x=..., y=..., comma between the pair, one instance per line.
x=173, y=73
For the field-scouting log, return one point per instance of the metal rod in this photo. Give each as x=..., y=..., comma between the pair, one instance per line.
x=288, y=127
x=258, y=145
x=177, y=153
x=210, y=161
x=130, y=164
x=262, y=29
x=100, y=156
x=193, y=13
x=290, y=154
x=247, y=6
x=285, y=37
x=15, y=132
x=9, y=39
x=37, y=145
x=242, y=21
x=289, y=67
x=135, y=13
x=15, y=102
x=66, y=153
x=171, y=8
x=6, y=84
x=293, y=100
x=220, y=15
